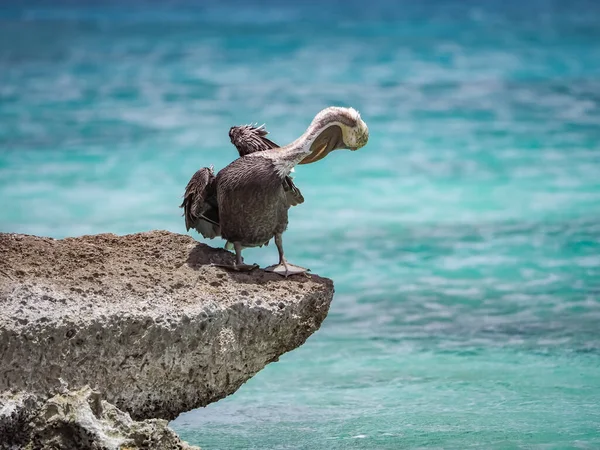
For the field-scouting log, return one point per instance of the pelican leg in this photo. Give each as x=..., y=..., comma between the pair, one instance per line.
x=284, y=268
x=239, y=265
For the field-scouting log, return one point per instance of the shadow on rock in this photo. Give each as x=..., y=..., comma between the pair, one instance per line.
x=204, y=255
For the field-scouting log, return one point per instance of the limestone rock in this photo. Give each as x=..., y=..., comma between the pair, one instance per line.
x=16, y=412
x=79, y=420
x=144, y=319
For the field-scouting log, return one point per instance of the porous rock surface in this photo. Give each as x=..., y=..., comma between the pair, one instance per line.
x=79, y=420
x=144, y=319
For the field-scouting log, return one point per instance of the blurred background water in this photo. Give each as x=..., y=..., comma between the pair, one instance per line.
x=464, y=240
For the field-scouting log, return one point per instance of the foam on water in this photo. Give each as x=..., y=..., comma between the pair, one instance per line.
x=463, y=240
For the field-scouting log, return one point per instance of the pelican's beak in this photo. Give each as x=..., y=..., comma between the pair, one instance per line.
x=317, y=154
x=328, y=140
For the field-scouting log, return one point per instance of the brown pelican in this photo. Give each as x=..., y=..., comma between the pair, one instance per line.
x=247, y=202
x=201, y=210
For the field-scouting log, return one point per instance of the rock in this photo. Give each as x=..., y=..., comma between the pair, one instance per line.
x=16, y=411
x=79, y=420
x=143, y=319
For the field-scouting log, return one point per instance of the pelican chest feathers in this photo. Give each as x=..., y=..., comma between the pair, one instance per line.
x=247, y=202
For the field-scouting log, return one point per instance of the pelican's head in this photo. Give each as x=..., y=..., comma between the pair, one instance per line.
x=336, y=128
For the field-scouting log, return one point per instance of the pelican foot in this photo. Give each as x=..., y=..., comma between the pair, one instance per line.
x=286, y=269
x=238, y=267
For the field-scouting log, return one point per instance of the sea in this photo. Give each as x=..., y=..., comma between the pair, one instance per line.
x=463, y=240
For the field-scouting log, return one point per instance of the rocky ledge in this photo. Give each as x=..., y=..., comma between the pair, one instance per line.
x=98, y=332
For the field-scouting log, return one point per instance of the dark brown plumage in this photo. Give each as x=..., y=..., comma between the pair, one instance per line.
x=200, y=207
x=250, y=139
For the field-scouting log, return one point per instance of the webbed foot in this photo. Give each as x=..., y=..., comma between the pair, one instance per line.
x=286, y=269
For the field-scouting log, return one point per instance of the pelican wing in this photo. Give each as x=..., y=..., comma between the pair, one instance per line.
x=292, y=193
x=200, y=207
x=250, y=139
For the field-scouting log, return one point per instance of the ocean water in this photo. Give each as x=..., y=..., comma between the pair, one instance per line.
x=464, y=239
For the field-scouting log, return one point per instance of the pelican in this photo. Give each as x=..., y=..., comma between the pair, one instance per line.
x=247, y=202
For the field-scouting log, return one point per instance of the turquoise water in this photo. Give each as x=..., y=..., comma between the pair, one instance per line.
x=464, y=240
